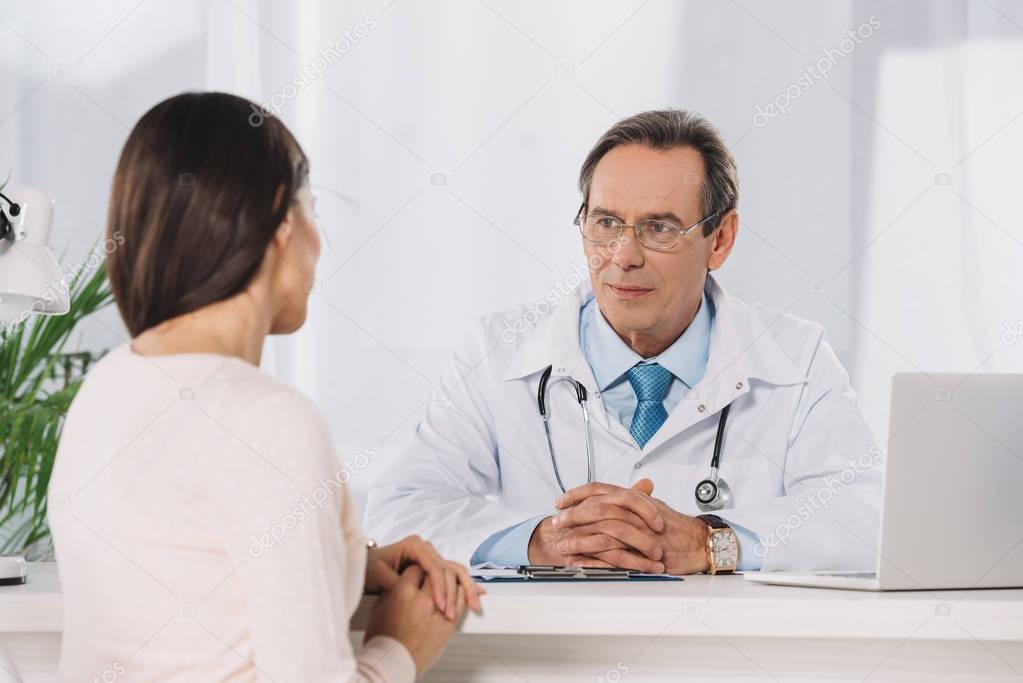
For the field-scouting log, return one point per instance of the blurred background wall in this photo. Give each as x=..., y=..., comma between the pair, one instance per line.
x=877, y=143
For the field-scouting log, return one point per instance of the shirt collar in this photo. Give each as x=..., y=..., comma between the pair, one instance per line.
x=611, y=358
x=742, y=347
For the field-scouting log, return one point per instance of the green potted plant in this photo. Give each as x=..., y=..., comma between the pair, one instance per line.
x=38, y=381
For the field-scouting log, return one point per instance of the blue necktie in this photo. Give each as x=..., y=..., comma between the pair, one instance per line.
x=650, y=382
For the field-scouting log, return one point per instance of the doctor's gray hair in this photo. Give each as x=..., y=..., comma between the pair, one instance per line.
x=666, y=129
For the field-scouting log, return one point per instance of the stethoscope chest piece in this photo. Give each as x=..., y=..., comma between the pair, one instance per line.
x=713, y=494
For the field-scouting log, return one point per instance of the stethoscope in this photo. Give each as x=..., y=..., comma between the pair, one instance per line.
x=711, y=493
x=580, y=395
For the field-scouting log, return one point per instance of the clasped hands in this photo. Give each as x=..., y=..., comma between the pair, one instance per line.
x=449, y=584
x=602, y=525
x=424, y=597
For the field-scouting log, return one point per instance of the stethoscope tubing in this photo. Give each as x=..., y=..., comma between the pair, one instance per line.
x=581, y=397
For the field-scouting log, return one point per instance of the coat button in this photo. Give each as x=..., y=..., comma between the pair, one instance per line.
x=738, y=385
x=637, y=465
x=702, y=408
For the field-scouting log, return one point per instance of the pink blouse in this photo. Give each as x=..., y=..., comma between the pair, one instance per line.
x=203, y=531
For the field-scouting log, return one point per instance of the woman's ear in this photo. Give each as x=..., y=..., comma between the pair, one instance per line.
x=285, y=232
x=723, y=239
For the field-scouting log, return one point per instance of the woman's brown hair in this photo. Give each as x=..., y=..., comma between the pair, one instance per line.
x=198, y=195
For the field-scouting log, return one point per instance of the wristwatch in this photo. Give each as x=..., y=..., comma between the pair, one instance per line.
x=722, y=545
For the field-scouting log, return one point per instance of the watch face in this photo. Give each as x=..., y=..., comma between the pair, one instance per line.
x=726, y=550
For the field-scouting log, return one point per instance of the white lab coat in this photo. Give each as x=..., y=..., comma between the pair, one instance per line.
x=803, y=468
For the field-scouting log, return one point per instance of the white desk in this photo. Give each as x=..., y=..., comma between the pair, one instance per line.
x=705, y=628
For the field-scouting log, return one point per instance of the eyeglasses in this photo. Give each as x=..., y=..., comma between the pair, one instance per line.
x=653, y=233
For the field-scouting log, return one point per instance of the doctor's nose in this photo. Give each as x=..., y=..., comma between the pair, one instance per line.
x=627, y=252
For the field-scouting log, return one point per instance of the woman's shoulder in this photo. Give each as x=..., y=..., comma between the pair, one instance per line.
x=261, y=400
x=227, y=392
x=270, y=426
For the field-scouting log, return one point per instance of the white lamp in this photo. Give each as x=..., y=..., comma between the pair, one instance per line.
x=13, y=571
x=31, y=282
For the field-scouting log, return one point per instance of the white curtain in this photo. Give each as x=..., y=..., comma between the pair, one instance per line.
x=938, y=279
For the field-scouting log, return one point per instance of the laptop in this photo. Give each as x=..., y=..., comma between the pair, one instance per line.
x=952, y=514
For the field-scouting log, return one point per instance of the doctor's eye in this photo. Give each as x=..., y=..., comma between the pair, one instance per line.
x=660, y=228
x=605, y=222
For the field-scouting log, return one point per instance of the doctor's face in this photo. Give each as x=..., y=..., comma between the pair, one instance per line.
x=649, y=297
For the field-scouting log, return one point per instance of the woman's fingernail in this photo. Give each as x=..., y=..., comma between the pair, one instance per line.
x=556, y=522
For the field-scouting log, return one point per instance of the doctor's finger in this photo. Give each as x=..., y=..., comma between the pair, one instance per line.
x=593, y=511
x=580, y=493
x=587, y=561
x=592, y=544
x=625, y=535
x=589, y=544
x=640, y=503
x=597, y=509
x=626, y=559
x=599, y=488
x=634, y=500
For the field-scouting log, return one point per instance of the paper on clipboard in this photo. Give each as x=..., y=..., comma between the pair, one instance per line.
x=491, y=573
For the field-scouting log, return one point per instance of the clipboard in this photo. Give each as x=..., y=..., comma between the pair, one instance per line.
x=541, y=572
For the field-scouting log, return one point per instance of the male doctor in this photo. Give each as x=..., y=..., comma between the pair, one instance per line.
x=672, y=369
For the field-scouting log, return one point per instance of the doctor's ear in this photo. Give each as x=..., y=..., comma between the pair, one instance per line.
x=723, y=239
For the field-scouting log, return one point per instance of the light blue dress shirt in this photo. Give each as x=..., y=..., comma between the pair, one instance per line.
x=610, y=359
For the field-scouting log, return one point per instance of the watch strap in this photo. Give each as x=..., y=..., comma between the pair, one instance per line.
x=714, y=522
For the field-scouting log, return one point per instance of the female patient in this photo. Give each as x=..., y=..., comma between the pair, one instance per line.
x=202, y=528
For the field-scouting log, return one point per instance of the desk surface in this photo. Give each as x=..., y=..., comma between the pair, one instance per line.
x=699, y=606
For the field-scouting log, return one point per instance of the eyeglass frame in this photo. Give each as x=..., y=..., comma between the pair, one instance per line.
x=682, y=232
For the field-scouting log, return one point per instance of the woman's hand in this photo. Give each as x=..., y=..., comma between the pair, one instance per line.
x=443, y=577
x=407, y=614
